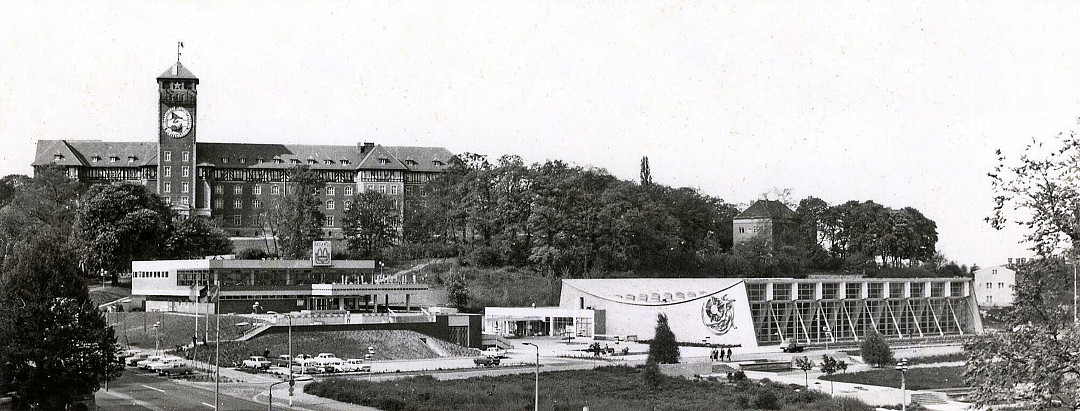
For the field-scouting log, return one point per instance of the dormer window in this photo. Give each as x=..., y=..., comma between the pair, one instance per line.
x=410, y=162
x=131, y=159
x=295, y=161
x=436, y=163
x=384, y=160
x=344, y=162
x=243, y=160
x=114, y=159
x=95, y=159
x=311, y=161
x=328, y=162
x=58, y=157
x=279, y=161
x=258, y=160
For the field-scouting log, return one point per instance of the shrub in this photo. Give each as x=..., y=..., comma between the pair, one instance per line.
x=663, y=348
x=767, y=400
x=252, y=254
x=737, y=376
x=875, y=350
x=483, y=256
x=653, y=377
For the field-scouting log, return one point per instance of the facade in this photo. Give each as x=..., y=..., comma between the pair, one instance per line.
x=545, y=321
x=235, y=183
x=257, y=286
x=769, y=218
x=995, y=286
x=764, y=311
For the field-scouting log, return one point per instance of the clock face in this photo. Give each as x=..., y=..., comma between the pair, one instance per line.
x=177, y=122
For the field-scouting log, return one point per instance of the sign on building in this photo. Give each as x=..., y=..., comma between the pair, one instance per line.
x=320, y=253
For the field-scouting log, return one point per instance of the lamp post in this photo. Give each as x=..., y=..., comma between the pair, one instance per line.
x=157, y=338
x=536, y=387
x=270, y=405
x=902, y=366
x=290, y=353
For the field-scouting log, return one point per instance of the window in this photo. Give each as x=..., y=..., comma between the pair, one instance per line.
x=236, y=220
x=185, y=172
x=382, y=188
x=168, y=187
x=218, y=203
x=96, y=158
x=348, y=190
x=131, y=159
x=243, y=160
x=168, y=171
x=806, y=291
x=184, y=200
x=238, y=189
x=989, y=286
x=275, y=190
x=329, y=221
x=311, y=161
x=345, y=204
x=258, y=189
x=186, y=155
x=279, y=161
x=237, y=204
x=370, y=187
x=294, y=161
x=330, y=190
x=255, y=220
x=829, y=291
x=756, y=292
x=315, y=191
x=989, y=299
x=168, y=200
x=393, y=190
x=993, y=272
x=225, y=160
x=742, y=230
x=219, y=189
x=328, y=162
x=167, y=156
x=329, y=204
x=184, y=188
x=256, y=204
x=874, y=290
x=344, y=162
x=1001, y=285
x=436, y=163
x=781, y=292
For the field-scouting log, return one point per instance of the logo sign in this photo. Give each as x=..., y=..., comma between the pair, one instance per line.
x=320, y=253
x=719, y=314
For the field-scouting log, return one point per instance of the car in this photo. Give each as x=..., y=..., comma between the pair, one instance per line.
x=256, y=362
x=283, y=360
x=354, y=365
x=302, y=359
x=145, y=363
x=495, y=352
x=333, y=365
x=164, y=362
x=174, y=368
x=486, y=361
x=789, y=345
x=278, y=370
x=326, y=358
x=309, y=368
x=134, y=359
x=124, y=355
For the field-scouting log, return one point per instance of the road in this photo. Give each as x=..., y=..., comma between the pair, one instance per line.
x=142, y=390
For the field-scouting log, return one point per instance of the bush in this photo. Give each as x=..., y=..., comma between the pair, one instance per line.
x=653, y=377
x=875, y=350
x=252, y=254
x=484, y=256
x=767, y=400
x=663, y=348
x=736, y=376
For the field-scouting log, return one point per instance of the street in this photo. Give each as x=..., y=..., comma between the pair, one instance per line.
x=142, y=390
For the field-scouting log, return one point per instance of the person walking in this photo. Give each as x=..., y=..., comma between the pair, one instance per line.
x=729, y=354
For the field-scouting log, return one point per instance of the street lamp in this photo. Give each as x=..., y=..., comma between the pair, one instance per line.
x=290, y=357
x=902, y=366
x=157, y=338
x=536, y=389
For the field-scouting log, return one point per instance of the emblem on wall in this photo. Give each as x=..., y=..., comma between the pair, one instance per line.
x=718, y=314
x=176, y=122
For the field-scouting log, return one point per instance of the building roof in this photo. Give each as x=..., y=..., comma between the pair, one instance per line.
x=231, y=154
x=96, y=153
x=177, y=71
x=422, y=158
x=766, y=209
x=653, y=291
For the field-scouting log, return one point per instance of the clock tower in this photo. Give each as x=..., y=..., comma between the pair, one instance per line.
x=176, y=138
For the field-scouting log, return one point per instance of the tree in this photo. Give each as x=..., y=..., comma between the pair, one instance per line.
x=646, y=173
x=196, y=237
x=45, y=203
x=652, y=375
x=371, y=224
x=830, y=366
x=1042, y=190
x=805, y=365
x=297, y=219
x=457, y=291
x=118, y=223
x=875, y=350
x=54, y=343
x=663, y=349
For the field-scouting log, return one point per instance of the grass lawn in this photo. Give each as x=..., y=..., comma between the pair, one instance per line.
x=605, y=388
x=917, y=378
x=388, y=344
x=931, y=359
x=136, y=328
x=101, y=295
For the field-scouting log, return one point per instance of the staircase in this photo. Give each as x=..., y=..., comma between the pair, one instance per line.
x=494, y=340
x=253, y=332
x=928, y=398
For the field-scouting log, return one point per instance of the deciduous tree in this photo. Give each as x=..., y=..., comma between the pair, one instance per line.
x=371, y=224
x=297, y=218
x=118, y=223
x=875, y=350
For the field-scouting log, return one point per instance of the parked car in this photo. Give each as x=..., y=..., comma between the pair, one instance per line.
x=332, y=365
x=355, y=365
x=174, y=368
x=256, y=362
x=325, y=358
x=486, y=361
x=124, y=355
x=278, y=370
x=302, y=359
x=145, y=363
x=162, y=363
x=309, y=368
x=134, y=359
x=283, y=360
x=495, y=352
x=789, y=345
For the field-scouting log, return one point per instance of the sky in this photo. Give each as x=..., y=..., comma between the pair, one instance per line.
x=902, y=103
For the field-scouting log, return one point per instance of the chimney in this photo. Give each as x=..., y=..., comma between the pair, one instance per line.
x=364, y=147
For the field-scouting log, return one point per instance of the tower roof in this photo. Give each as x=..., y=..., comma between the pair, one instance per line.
x=178, y=71
x=766, y=209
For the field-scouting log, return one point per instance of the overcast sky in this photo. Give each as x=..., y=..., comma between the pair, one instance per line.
x=898, y=102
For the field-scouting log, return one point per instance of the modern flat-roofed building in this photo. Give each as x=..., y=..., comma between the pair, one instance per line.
x=752, y=312
x=995, y=286
x=257, y=286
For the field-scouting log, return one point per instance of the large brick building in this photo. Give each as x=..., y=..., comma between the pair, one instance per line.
x=233, y=182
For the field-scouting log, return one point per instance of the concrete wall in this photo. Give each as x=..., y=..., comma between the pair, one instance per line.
x=995, y=286
x=439, y=329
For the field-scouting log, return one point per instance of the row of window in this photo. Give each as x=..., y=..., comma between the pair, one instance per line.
x=167, y=156
x=238, y=204
x=257, y=189
x=184, y=200
x=238, y=220
x=185, y=171
x=990, y=286
x=184, y=187
x=806, y=291
x=150, y=274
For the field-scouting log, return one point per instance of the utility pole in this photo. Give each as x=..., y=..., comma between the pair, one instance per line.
x=217, y=344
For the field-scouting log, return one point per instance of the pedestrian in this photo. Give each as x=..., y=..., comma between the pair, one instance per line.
x=729, y=354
